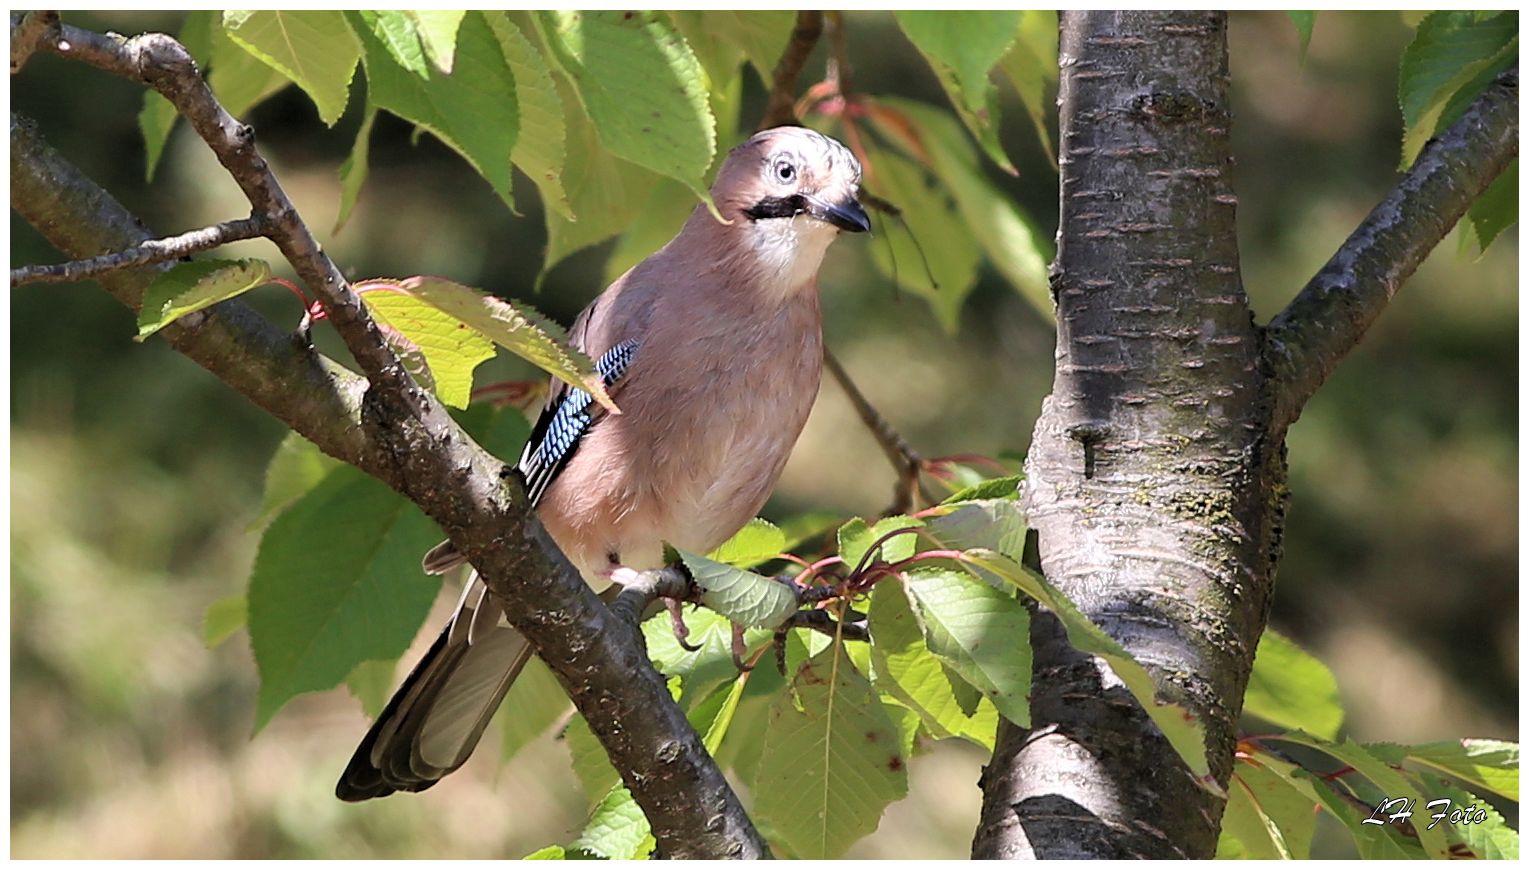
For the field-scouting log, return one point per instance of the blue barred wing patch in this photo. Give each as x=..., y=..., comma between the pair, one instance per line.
x=559, y=429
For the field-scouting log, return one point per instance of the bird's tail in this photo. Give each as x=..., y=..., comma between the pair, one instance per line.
x=432, y=723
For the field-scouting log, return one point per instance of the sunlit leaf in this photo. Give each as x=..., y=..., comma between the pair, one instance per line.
x=642, y=87
x=1266, y=815
x=758, y=541
x=473, y=109
x=1291, y=689
x=746, y=598
x=398, y=32
x=193, y=286
x=371, y=683
x=832, y=759
x=1486, y=765
x=980, y=632
x=223, y=617
x=316, y=50
x=540, y=146
x=856, y=539
x=1031, y=66
x=991, y=524
x=1447, y=54
x=451, y=348
x=336, y=583
x=353, y=171
x=1486, y=836
x=962, y=48
x=296, y=467
x=617, y=829
x=437, y=30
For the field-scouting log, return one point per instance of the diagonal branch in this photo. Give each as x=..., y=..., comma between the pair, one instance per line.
x=153, y=251
x=804, y=37
x=396, y=431
x=1306, y=341
x=905, y=460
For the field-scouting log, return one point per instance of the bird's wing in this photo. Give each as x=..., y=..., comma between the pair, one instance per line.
x=567, y=416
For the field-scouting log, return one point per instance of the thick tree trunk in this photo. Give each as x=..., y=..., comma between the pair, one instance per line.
x=1152, y=480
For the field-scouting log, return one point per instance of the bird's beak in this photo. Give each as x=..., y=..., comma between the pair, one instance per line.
x=848, y=215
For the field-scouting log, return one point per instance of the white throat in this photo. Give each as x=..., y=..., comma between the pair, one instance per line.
x=788, y=251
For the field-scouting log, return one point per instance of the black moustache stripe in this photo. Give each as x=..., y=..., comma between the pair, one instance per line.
x=777, y=207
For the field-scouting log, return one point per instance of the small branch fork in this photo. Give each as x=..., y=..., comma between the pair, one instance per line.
x=781, y=108
x=156, y=251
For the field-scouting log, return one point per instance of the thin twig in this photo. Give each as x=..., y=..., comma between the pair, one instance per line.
x=804, y=37
x=27, y=31
x=1327, y=319
x=905, y=460
x=155, y=251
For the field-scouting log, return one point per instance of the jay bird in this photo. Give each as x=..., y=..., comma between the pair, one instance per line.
x=712, y=347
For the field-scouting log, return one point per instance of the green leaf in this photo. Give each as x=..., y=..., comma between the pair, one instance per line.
x=929, y=230
x=296, y=467
x=1291, y=689
x=1303, y=22
x=1486, y=836
x=1448, y=52
x=223, y=617
x=336, y=583
x=903, y=668
x=994, y=488
x=758, y=541
x=473, y=109
x=617, y=829
x=746, y=598
x=1389, y=781
x=1181, y=727
x=540, y=148
x=1266, y=815
x=991, y=524
x=980, y=632
x=501, y=431
x=1497, y=208
x=451, y=348
x=716, y=732
x=1486, y=765
x=353, y=171
x=534, y=704
x=760, y=35
x=547, y=853
x=642, y=87
x=239, y=79
x=437, y=30
x=700, y=671
x=193, y=286
x=399, y=34
x=1386, y=841
x=1031, y=66
x=1010, y=238
x=856, y=538
x=590, y=763
x=317, y=51
x=667, y=207
x=832, y=760
x=961, y=48
x=371, y=683
x=514, y=326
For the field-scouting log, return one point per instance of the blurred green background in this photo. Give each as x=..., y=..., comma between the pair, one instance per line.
x=135, y=476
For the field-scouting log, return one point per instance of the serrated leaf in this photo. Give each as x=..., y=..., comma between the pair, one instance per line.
x=1304, y=22
x=980, y=632
x=371, y=683
x=1008, y=236
x=399, y=34
x=1486, y=765
x=514, y=326
x=994, y=488
x=473, y=109
x=722, y=720
x=540, y=148
x=1449, y=51
x=758, y=541
x=1385, y=841
x=831, y=762
x=990, y=524
x=336, y=583
x=354, y=170
x=534, y=704
x=744, y=597
x=1486, y=836
x=223, y=617
x=903, y=668
x=1389, y=781
x=1031, y=67
x=1292, y=689
x=296, y=467
x=316, y=50
x=437, y=30
x=1497, y=208
x=1266, y=815
x=591, y=765
x=758, y=35
x=193, y=286
x=451, y=348
x=856, y=538
x=961, y=48
x=930, y=230
x=547, y=853
x=617, y=829
x=1181, y=727
x=642, y=87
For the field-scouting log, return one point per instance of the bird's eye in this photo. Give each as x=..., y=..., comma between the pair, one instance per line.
x=785, y=173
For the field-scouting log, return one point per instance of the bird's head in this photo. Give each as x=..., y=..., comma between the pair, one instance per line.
x=789, y=192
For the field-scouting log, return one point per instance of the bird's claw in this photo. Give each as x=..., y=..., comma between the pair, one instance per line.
x=681, y=630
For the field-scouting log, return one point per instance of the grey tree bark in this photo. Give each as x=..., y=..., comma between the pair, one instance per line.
x=1156, y=479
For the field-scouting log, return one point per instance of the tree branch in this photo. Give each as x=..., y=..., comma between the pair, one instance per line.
x=804, y=37
x=27, y=29
x=1306, y=341
x=905, y=460
x=154, y=251
x=406, y=439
